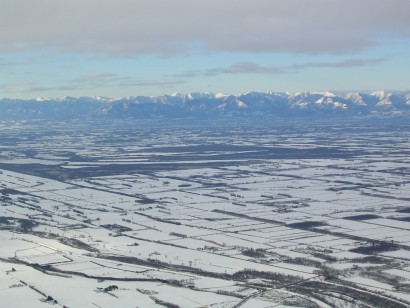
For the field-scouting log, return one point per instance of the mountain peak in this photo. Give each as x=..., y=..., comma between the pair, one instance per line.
x=197, y=104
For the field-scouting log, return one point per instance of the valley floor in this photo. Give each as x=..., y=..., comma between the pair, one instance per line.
x=147, y=214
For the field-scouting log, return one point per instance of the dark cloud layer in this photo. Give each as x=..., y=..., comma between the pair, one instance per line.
x=164, y=27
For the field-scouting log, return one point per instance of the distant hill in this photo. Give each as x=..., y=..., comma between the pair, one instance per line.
x=280, y=104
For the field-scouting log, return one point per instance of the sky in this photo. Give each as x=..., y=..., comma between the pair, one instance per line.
x=118, y=48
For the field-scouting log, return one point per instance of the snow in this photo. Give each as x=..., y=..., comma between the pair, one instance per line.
x=190, y=220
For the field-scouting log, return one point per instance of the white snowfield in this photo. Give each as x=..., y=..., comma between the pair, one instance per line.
x=156, y=222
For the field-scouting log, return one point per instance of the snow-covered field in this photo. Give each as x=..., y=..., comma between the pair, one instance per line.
x=190, y=221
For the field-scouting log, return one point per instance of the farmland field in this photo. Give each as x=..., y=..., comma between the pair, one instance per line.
x=203, y=214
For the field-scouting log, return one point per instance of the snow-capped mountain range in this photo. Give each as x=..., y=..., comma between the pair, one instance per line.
x=281, y=104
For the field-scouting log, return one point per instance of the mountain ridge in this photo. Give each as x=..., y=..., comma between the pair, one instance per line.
x=281, y=104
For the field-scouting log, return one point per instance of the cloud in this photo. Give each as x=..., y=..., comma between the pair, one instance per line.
x=96, y=80
x=129, y=27
x=7, y=63
x=87, y=82
x=23, y=87
x=340, y=64
x=253, y=68
x=245, y=68
x=109, y=80
x=237, y=68
x=4, y=64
